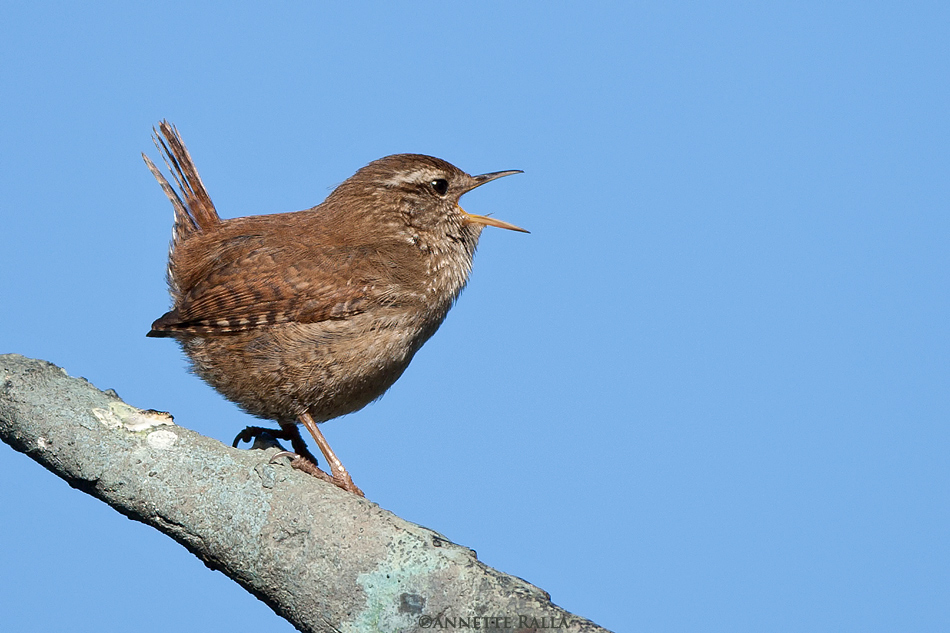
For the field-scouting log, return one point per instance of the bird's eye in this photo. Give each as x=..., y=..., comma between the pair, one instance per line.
x=441, y=185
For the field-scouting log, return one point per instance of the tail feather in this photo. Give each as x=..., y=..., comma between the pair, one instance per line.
x=194, y=211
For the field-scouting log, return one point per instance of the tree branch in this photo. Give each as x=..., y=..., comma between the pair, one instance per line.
x=322, y=558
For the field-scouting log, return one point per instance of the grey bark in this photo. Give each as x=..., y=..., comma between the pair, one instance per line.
x=322, y=558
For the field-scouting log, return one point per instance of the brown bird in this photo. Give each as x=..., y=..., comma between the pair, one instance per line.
x=303, y=317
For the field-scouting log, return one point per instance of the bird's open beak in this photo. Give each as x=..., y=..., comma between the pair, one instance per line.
x=495, y=175
x=484, y=220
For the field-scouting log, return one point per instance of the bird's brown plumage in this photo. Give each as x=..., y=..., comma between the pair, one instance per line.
x=316, y=313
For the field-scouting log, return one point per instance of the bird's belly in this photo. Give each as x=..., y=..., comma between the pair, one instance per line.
x=329, y=368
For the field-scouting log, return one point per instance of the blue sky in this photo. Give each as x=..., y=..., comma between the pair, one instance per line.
x=708, y=392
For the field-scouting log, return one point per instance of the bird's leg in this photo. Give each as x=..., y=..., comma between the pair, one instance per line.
x=339, y=475
x=296, y=442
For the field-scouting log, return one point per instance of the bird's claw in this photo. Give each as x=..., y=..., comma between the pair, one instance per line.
x=340, y=480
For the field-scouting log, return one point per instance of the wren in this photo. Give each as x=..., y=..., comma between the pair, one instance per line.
x=306, y=316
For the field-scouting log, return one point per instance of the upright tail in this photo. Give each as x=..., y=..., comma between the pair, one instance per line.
x=194, y=211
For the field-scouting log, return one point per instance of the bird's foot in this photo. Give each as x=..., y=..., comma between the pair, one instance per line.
x=265, y=438
x=339, y=479
x=258, y=437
